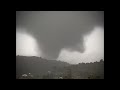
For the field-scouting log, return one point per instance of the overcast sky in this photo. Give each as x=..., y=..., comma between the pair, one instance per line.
x=71, y=36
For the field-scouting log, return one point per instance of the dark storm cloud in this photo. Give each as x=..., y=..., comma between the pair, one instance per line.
x=55, y=30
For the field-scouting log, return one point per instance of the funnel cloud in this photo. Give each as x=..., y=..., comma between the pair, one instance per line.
x=60, y=33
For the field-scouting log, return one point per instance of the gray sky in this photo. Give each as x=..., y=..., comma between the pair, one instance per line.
x=55, y=30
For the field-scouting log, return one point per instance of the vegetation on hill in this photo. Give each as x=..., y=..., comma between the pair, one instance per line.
x=40, y=68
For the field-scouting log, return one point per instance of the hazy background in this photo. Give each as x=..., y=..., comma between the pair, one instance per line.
x=71, y=36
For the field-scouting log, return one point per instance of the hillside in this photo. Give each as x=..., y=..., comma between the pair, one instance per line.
x=37, y=65
x=41, y=68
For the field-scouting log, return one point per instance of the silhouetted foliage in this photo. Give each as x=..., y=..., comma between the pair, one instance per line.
x=39, y=68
